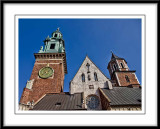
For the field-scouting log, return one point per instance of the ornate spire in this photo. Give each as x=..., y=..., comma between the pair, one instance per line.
x=114, y=56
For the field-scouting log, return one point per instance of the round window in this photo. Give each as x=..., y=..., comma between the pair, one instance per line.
x=92, y=102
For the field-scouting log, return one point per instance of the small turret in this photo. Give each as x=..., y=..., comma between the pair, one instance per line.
x=120, y=73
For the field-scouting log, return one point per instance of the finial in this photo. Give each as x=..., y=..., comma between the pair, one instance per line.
x=41, y=49
x=111, y=52
x=47, y=37
x=58, y=28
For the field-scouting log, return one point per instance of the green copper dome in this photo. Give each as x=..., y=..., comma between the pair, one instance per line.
x=54, y=44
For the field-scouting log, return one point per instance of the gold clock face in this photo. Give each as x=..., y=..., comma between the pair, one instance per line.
x=45, y=72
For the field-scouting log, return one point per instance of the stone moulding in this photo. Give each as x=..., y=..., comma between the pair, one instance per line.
x=53, y=56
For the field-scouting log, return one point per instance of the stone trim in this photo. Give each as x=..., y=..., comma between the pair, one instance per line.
x=52, y=56
x=118, y=64
x=117, y=79
x=39, y=99
x=47, y=59
x=104, y=94
x=136, y=78
x=48, y=63
x=99, y=106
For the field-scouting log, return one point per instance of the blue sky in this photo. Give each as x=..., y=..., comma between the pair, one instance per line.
x=94, y=37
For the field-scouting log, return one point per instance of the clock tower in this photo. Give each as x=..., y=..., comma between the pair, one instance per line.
x=48, y=71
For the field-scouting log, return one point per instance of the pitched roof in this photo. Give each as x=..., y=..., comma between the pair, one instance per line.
x=62, y=101
x=114, y=56
x=93, y=63
x=123, y=95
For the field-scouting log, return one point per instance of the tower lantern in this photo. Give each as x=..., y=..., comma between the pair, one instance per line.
x=54, y=44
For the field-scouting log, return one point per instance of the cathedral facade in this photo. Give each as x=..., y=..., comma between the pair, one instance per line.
x=90, y=89
x=87, y=81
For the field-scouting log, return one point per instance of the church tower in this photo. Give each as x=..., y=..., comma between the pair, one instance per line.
x=120, y=73
x=48, y=71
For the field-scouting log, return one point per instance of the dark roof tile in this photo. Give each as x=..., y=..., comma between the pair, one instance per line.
x=63, y=101
x=123, y=95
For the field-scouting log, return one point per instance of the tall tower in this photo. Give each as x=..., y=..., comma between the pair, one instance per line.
x=48, y=71
x=120, y=74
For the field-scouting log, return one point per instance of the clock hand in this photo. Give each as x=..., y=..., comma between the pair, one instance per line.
x=44, y=73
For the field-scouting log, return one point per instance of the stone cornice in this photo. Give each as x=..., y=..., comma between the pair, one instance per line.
x=53, y=56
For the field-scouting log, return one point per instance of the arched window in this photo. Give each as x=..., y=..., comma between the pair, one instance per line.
x=127, y=78
x=55, y=35
x=122, y=65
x=83, y=77
x=114, y=67
x=95, y=76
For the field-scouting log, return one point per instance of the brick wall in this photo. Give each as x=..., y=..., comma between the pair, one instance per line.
x=122, y=79
x=53, y=84
x=25, y=96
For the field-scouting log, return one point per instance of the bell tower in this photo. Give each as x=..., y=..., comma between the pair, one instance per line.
x=120, y=73
x=48, y=72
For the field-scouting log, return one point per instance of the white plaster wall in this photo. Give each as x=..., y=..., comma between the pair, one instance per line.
x=77, y=86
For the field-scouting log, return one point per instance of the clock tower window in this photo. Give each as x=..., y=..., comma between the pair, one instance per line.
x=52, y=46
